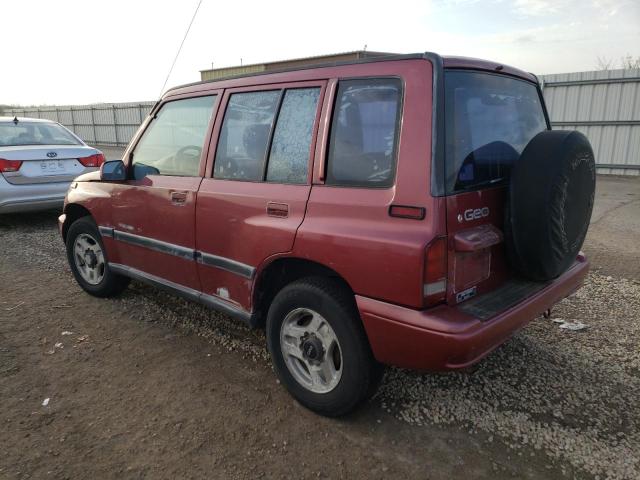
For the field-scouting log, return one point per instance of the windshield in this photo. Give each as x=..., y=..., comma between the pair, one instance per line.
x=32, y=133
x=489, y=119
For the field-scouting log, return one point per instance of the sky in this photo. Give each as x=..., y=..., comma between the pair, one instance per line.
x=90, y=51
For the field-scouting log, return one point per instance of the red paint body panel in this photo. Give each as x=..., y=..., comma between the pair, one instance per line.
x=96, y=197
x=232, y=222
x=349, y=229
x=145, y=208
x=444, y=338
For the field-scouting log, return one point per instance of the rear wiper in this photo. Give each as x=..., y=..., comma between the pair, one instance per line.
x=484, y=183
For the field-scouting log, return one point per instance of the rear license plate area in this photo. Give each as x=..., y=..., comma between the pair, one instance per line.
x=471, y=268
x=52, y=167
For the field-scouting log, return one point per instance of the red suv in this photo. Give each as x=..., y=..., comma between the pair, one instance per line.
x=411, y=210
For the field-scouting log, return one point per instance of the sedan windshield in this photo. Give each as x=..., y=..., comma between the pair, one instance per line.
x=32, y=133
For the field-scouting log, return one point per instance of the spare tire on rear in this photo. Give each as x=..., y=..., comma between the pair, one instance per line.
x=549, y=204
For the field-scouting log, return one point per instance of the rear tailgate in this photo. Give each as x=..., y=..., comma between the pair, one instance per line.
x=489, y=119
x=476, y=259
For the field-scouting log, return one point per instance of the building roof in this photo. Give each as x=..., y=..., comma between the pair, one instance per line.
x=310, y=60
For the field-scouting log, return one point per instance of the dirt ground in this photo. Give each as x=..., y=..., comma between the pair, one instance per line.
x=150, y=386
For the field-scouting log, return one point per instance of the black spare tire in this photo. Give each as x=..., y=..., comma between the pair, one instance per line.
x=551, y=193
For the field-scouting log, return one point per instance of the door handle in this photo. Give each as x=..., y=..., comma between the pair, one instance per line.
x=280, y=210
x=178, y=198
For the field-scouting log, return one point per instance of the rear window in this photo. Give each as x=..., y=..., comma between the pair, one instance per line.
x=32, y=133
x=489, y=119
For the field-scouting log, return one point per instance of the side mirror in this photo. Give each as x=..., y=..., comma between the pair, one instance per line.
x=113, y=171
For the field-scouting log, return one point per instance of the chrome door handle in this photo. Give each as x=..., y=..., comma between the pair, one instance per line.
x=178, y=198
x=280, y=210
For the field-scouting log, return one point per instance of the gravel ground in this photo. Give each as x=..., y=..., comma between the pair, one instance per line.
x=555, y=403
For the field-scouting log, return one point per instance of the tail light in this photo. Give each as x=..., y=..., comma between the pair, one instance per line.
x=435, y=272
x=92, y=160
x=9, y=165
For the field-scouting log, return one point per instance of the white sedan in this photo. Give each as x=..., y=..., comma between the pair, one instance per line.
x=38, y=160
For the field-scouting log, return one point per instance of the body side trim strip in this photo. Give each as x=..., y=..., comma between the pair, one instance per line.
x=186, y=292
x=227, y=264
x=106, y=231
x=203, y=258
x=153, y=244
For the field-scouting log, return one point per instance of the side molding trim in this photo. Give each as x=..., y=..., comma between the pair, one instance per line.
x=153, y=244
x=106, y=231
x=227, y=264
x=208, y=259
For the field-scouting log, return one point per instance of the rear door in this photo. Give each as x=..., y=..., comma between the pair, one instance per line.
x=154, y=211
x=489, y=119
x=254, y=198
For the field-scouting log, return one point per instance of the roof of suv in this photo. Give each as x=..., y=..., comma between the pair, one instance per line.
x=448, y=62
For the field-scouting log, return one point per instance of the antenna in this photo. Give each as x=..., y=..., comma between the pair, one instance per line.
x=181, y=44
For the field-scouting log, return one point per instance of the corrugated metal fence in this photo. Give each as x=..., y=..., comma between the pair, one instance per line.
x=604, y=105
x=111, y=124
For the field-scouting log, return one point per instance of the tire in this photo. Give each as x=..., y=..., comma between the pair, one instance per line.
x=105, y=283
x=551, y=195
x=359, y=373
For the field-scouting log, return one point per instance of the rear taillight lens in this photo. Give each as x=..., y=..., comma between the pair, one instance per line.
x=92, y=160
x=7, y=166
x=435, y=272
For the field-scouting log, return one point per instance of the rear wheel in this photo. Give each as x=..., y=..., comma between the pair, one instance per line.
x=319, y=348
x=88, y=261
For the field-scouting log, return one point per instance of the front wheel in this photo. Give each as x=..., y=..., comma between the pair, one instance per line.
x=319, y=348
x=88, y=261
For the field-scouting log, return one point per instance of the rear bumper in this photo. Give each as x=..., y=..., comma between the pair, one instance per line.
x=38, y=196
x=445, y=338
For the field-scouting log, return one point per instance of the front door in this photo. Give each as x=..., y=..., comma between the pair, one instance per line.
x=252, y=204
x=154, y=211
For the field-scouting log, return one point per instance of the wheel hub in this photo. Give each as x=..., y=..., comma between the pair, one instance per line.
x=312, y=349
x=91, y=259
x=88, y=259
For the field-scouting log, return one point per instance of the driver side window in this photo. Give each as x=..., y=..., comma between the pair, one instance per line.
x=172, y=143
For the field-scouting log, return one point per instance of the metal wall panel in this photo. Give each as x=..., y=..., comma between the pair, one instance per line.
x=605, y=106
x=112, y=124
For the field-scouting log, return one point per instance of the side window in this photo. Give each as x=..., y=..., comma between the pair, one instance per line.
x=364, y=133
x=291, y=146
x=244, y=136
x=172, y=143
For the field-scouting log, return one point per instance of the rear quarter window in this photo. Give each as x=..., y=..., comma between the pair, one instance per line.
x=364, y=133
x=489, y=120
